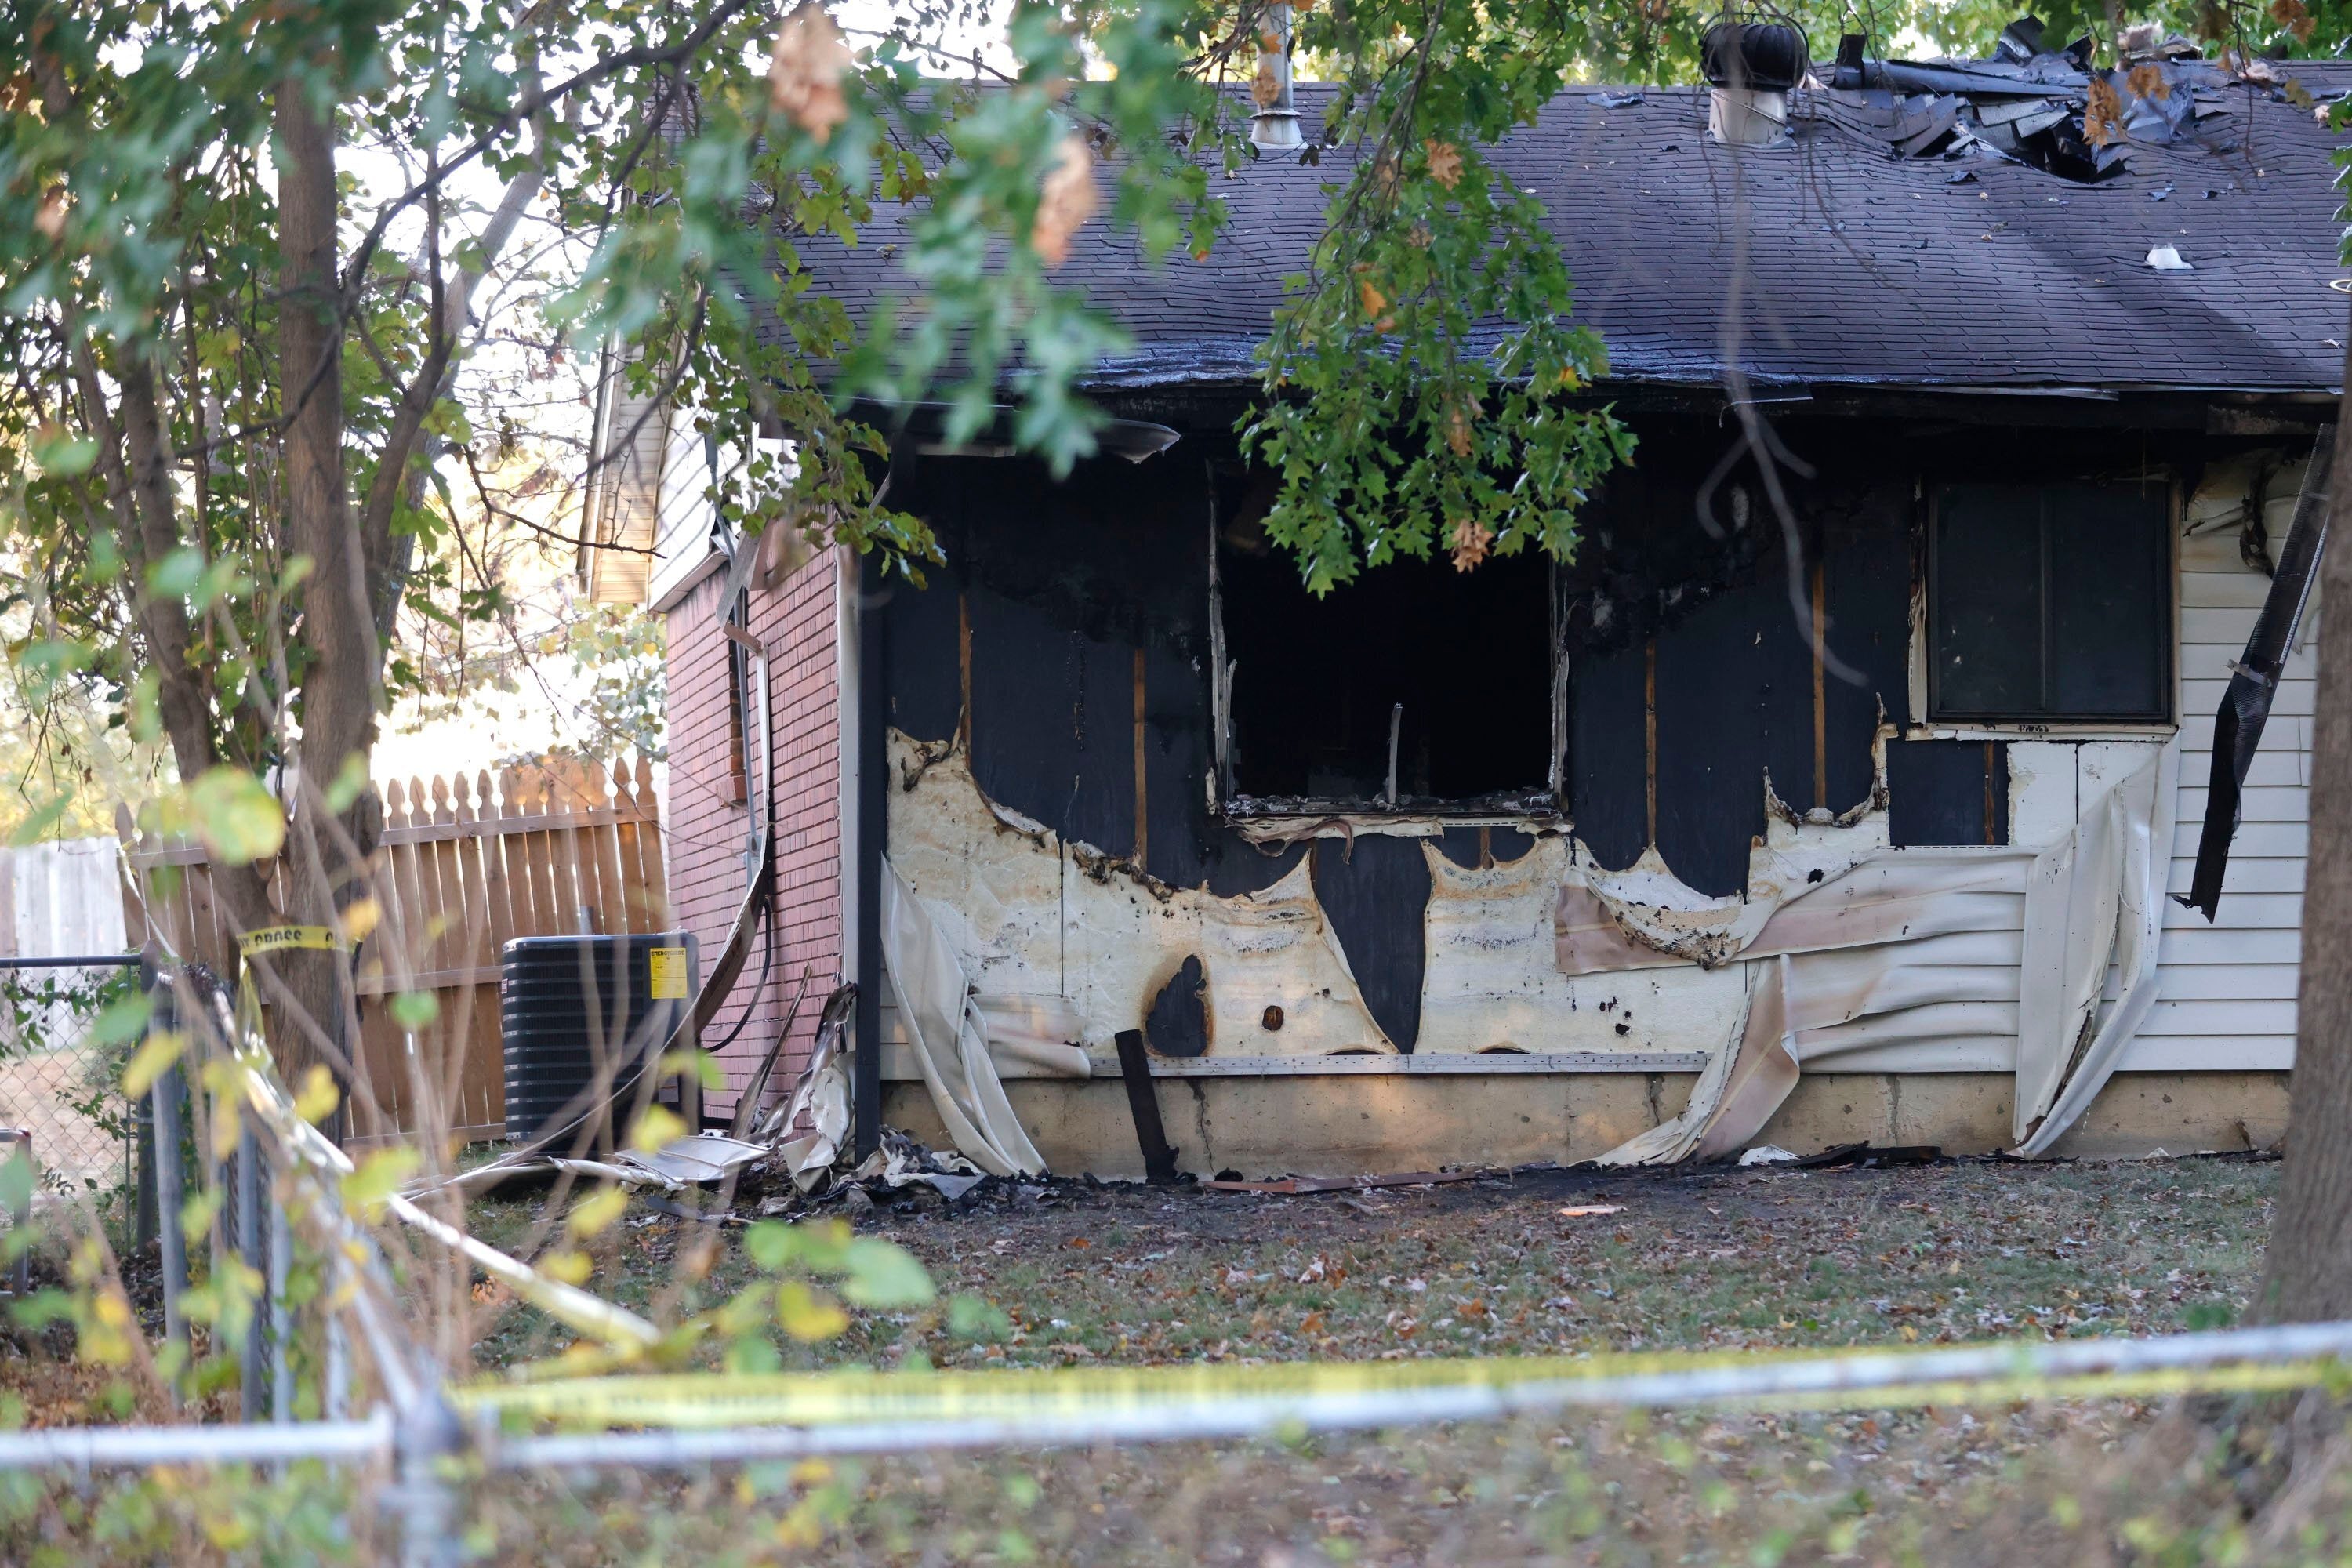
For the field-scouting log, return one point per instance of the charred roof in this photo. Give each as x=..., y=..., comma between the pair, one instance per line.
x=1924, y=225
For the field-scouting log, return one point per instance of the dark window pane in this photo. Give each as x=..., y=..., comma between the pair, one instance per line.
x=2110, y=610
x=1986, y=626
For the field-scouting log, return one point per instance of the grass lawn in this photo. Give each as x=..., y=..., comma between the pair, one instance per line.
x=1098, y=1275
x=1722, y=1259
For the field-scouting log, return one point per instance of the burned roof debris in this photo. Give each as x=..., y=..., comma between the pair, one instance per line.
x=2050, y=108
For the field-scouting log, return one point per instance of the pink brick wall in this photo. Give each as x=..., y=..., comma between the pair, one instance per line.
x=797, y=624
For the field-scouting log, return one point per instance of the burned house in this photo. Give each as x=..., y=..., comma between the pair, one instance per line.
x=1858, y=813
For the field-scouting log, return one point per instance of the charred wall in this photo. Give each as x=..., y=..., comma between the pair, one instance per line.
x=1691, y=676
x=1069, y=632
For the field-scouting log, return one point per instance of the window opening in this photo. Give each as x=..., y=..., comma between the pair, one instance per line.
x=1416, y=687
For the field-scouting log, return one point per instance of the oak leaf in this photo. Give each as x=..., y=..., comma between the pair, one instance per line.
x=805, y=69
x=1471, y=539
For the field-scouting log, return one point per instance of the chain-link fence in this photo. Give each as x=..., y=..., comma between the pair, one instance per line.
x=59, y=1085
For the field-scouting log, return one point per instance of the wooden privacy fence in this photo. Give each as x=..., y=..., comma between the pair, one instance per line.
x=464, y=868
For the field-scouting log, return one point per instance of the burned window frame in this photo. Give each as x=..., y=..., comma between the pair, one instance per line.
x=1928, y=718
x=1544, y=805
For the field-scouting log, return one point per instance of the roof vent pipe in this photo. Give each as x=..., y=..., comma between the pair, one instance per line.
x=1749, y=68
x=1274, y=128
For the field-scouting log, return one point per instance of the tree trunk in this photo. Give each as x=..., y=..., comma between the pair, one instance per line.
x=2308, y=1274
x=312, y=1017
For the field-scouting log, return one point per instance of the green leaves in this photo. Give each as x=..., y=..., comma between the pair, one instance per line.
x=882, y=1274
x=62, y=454
x=414, y=1009
x=869, y=1272
x=379, y=1176
x=238, y=820
x=1418, y=382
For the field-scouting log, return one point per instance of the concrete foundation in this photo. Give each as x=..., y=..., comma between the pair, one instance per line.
x=1266, y=1127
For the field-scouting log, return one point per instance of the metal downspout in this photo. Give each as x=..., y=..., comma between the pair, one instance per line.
x=873, y=766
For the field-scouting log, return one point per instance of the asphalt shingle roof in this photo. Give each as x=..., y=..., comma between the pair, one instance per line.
x=1860, y=268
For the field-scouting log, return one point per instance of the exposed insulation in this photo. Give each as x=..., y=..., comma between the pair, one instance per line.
x=1035, y=917
x=1492, y=982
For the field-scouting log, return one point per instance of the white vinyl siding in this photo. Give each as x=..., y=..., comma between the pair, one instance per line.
x=2226, y=991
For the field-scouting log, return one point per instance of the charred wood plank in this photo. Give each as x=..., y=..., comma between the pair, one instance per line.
x=1135, y=1067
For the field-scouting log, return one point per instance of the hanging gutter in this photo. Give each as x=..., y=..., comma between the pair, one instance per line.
x=2254, y=678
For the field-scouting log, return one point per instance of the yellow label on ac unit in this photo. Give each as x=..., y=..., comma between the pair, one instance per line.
x=665, y=969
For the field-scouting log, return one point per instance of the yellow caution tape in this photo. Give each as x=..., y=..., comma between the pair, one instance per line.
x=684, y=1401
x=280, y=939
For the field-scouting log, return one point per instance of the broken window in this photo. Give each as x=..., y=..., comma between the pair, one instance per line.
x=1416, y=687
x=2050, y=604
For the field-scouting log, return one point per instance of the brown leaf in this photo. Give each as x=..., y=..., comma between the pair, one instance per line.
x=804, y=71
x=1265, y=87
x=1444, y=162
x=1470, y=541
x=2103, y=113
x=1457, y=431
x=2294, y=16
x=2148, y=81
x=1374, y=300
x=1069, y=199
